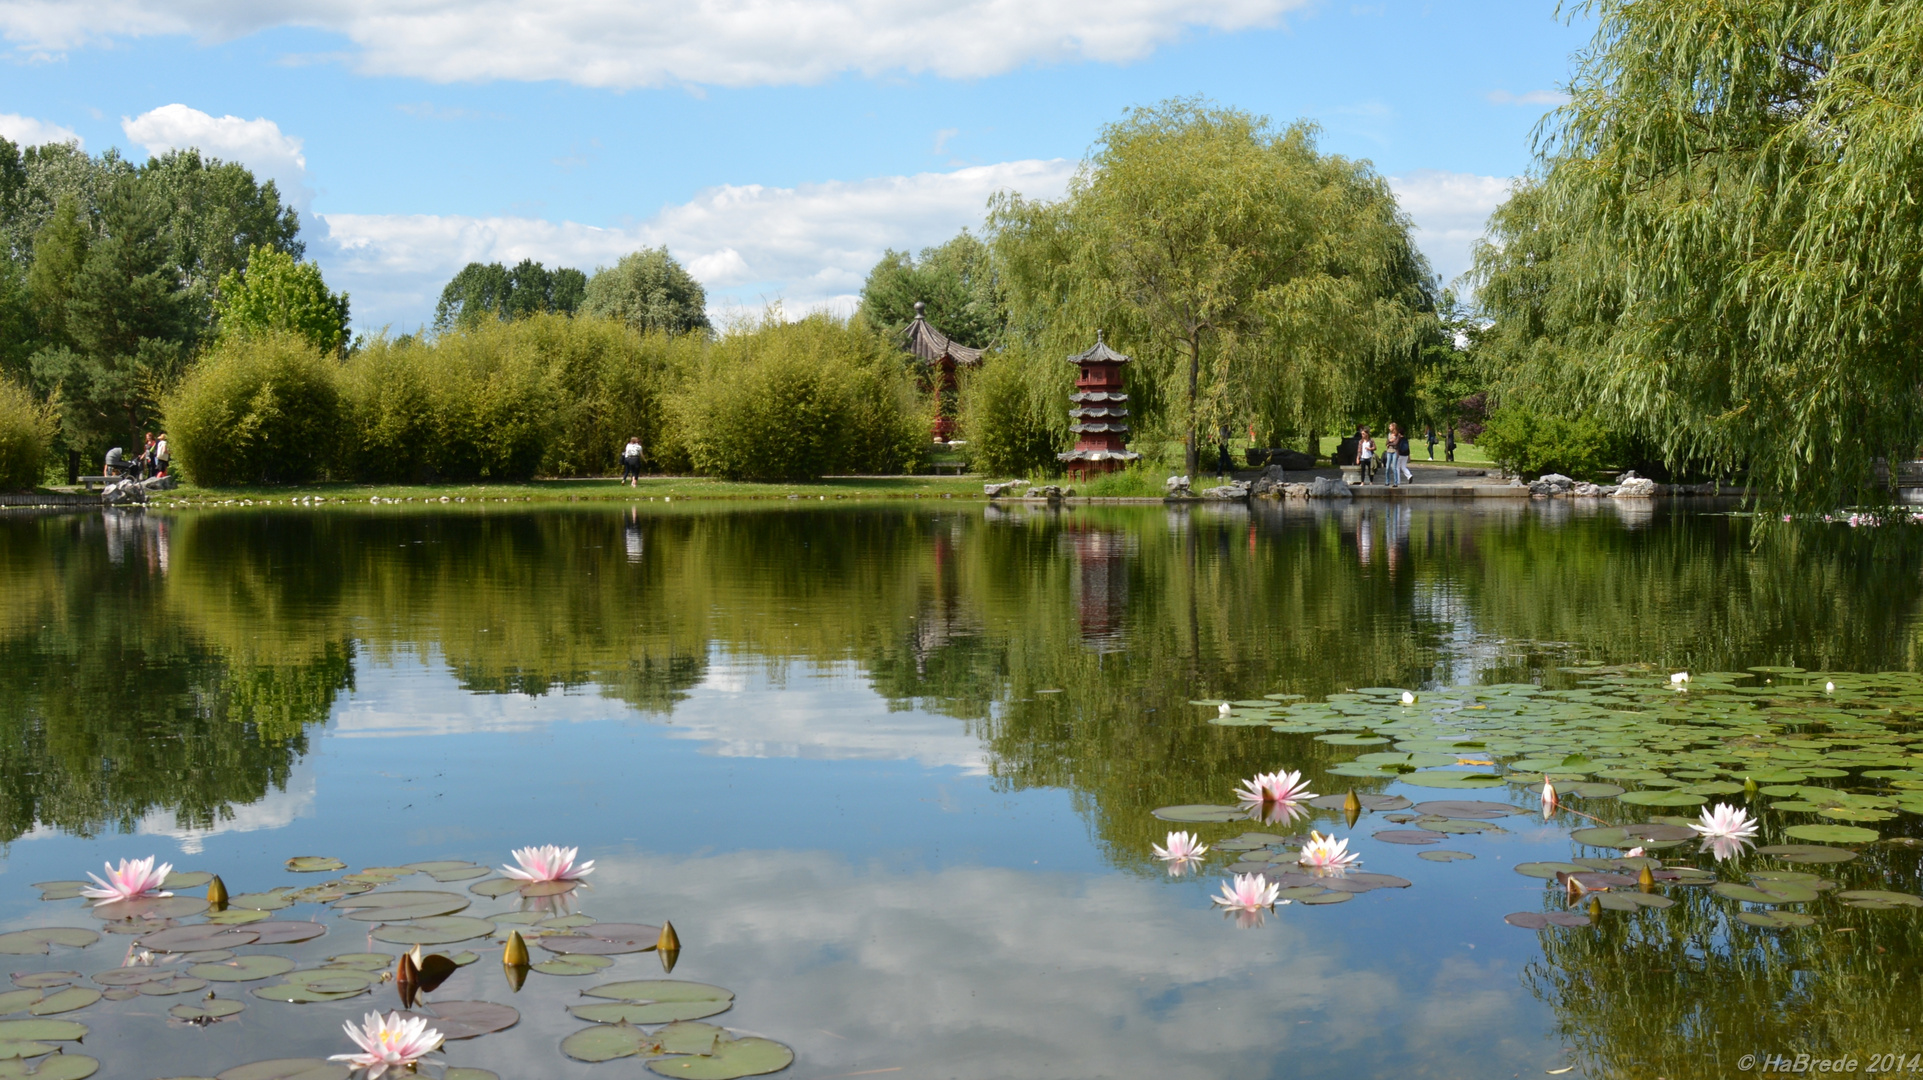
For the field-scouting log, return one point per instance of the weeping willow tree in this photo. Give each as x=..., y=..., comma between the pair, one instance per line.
x=1258, y=281
x=1721, y=248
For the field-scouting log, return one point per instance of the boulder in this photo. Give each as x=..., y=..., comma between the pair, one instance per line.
x=1636, y=487
x=1047, y=491
x=1552, y=484
x=1587, y=491
x=1011, y=487
x=121, y=492
x=1328, y=488
x=1235, y=490
x=1176, y=486
x=1294, y=491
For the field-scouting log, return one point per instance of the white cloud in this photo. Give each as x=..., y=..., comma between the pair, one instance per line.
x=26, y=131
x=1533, y=97
x=620, y=43
x=1450, y=210
x=258, y=144
x=808, y=246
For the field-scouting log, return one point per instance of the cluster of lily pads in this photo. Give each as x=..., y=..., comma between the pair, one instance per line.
x=1808, y=759
x=182, y=945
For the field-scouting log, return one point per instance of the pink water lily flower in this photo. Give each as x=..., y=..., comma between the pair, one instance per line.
x=1247, y=892
x=1280, y=786
x=134, y=879
x=389, y=1043
x=1326, y=854
x=1549, y=798
x=1183, y=848
x=1726, y=820
x=547, y=863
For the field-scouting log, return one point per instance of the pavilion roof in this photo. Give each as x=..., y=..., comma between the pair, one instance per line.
x=1099, y=353
x=931, y=344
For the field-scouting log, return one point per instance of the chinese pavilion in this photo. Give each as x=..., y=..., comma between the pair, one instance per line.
x=1100, y=414
x=941, y=357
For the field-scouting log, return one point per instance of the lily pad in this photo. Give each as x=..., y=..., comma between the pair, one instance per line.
x=1410, y=836
x=440, y=930
x=61, y=890
x=604, y=939
x=243, y=968
x=656, y=1001
x=1832, y=834
x=36, y=942
x=297, y=994
x=288, y=1069
x=469, y=1074
x=750, y=1056
x=197, y=937
x=1589, y=789
x=1807, y=854
x=285, y=932
x=401, y=905
x=42, y=980
x=608, y=1042
x=202, y=1012
x=42, y=1031
x=260, y=901
x=1774, y=892
x=1330, y=897
x=12, y=1050
x=1547, y=870
x=1469, y=808
x=1881, y=897
x=1775, y=920
x=171, y=985
x=189, y=879
x=1443, y=779
x=150, y=907
x=65, y=1001
x=1540, y=920
x=573, y=965
x=237, y=917
x=313, y=864
x=468, y=1019
x=14, y=1001
x=1369, y=802
x=1444, y=856
x=57, y=1067
x=497, y=887
x=1661, y=798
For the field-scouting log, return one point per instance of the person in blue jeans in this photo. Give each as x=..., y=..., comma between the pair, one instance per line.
x=1393, y=449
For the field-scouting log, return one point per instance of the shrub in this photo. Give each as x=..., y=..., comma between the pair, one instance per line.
x=608, y=382
x=1531, y=443
x=26, y=431
x=261, y=409
x=1006, y=416
x=798, y=401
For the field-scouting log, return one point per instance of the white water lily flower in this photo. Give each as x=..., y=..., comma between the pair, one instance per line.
x=547, y=863
x=1280, y=786
x=1326, y=854
x=134, y=879
x=389, y=1043
x=1222, y=709
x=1408, y=698
x=1725, y=847
x=1183, y=848
x=1549, y=799
x=1829, y=688
x=1679, y=680
x=1248, y=892
x=1725, y=820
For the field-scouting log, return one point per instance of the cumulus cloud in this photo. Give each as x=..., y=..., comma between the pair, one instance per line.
x=1533, y=97
x=1450, y=210
x=616, y=43
x=258, y=144
x=808, y=247
x=26, y=131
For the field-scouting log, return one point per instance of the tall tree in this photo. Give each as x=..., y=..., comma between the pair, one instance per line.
x=1722, y=246
x=1262, y=281
x=649, y=290
x=958, y=283
x=484, y=291
x=279, y=292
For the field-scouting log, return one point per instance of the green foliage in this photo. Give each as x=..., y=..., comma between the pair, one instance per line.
x=277, y=292
x=648, y=290
x=798, y=401
x=1135, y=482
x=1014, y=410
x=257, y=409
x=609, y=383
x=26, y=434
x=483, y=291
x=1722, y=249
x=1532, y=443
x=957, y=283
x=1254, y=279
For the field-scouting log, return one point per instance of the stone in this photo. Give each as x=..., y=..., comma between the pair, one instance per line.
x=1011, y=487
x=1636, y=487
x=1328, y=488
x=1295, y=460
x=1176, y=484
x=1587, y=491
x=1295, y=491
x=123, y=491
x=1047, y=491
x=1234, y=490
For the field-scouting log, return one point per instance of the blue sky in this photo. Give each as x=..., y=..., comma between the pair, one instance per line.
x=776, y=147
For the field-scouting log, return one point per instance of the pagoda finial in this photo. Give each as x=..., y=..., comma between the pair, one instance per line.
x=919, y=308
x=1098, y=337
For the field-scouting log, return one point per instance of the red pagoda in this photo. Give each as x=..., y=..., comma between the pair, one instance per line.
x=942, y=356
x=1100, y=414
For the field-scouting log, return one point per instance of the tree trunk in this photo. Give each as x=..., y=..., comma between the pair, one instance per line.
x=1195, y=374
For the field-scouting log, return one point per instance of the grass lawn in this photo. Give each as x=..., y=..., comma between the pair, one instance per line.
x=592, y=490
x=1419, y=451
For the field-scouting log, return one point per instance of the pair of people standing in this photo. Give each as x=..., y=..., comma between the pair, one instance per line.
x=631, y=462
x=1394, y=455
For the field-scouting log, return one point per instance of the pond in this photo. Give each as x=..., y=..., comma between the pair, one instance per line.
x=893, y=773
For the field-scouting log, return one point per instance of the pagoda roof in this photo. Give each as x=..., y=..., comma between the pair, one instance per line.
x=1099, y=353
x=932, y=345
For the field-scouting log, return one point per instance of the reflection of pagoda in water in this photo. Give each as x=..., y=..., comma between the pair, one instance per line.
x=1102, y=560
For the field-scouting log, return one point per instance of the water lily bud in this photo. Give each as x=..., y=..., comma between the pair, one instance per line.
x=515, y=955
x=406, y=971
x=516, y=975
x=217, y=894
x=668, y=939
x=1749, y=786
x=1645, y=880
x=1595, y=909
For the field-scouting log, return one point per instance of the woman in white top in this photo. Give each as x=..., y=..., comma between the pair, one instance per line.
x=1365, y=455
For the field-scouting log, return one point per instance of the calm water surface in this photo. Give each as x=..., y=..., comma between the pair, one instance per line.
x=890, y=770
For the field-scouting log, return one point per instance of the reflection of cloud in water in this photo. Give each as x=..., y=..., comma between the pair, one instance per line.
x=277, y=809
x=828, y=713
x=390, y=702
x=986, y=972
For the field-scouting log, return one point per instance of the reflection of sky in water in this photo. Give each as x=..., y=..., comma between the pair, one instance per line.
x=869, y=896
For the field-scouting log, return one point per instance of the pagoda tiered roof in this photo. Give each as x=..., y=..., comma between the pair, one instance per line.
x=932, y=345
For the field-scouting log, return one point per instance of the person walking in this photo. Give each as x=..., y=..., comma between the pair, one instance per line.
x=1402, y=457
x=1365, y=453
x=1449, y=443
x=1430, y=431
x=160, y=455
x=631, y=462
x=1392, y=457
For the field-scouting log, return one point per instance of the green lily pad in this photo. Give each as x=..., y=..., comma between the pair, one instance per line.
x=1662, y=798
x=1807, y=854
x=1880, y=896
x=1201, y=812
x=440, y=930
x=468, y=1019
x=1855, y=813
x=1451, y=780
x=66, y=1001
x=36, y=942
x=207, y=1011
x=603, y=939
x=61, y=890
x=494, y=887
x=731, y=1058
x=243, y=968
x=1632, y=901
x=43, y=980
x=1775, y=920
x=191, y=879
x=608, y=1042
x=149, y=907
x=260, y=901
x=1832, y=834
x=313, y=864
x=14, y=1001
x=1444, y=856
x=367, y=961
x=1589, y=790
x=656, y=1001
x=297, y=994
x=401, y=905
x=469, y=1074
x=1547, y=870
x=1329, y=897
x=237, y=917
x=12, y=1050
x=171, y=985
x=573, y=965
x=56, y=1067
x=1779, y=892
x=42, y=1031
x=288, y=1069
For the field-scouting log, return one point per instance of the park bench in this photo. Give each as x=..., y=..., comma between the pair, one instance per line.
x=91, y=482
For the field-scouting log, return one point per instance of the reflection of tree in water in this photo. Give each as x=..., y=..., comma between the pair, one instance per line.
x=1688, y=991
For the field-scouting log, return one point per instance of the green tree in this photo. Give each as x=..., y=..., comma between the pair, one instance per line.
x=279, y=292
x=216, y=216
x=1722, y=249
x=649, y=290
x=1258, y=280
x=957, y=282
x=490, y=290
x=59, y=251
